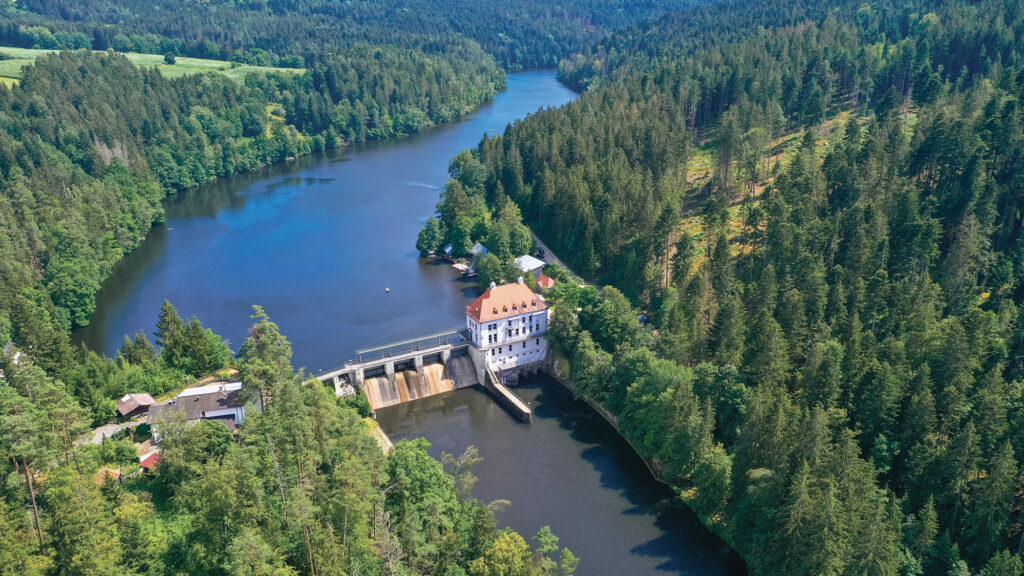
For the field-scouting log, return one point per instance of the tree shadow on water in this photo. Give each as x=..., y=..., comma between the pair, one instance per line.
x=684, y=546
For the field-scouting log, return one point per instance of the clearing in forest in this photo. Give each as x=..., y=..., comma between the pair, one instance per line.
x=12, y=60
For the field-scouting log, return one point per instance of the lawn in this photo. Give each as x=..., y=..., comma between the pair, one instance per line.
x=16, y=58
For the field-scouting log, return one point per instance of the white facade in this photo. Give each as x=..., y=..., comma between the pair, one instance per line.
x=511, y=341
x=214, y=401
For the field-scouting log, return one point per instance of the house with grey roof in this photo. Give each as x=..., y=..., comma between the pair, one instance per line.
x=219, y=401
x=530, y=265
x=132, y=405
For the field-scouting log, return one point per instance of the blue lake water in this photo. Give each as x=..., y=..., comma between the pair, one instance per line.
x=316, y=242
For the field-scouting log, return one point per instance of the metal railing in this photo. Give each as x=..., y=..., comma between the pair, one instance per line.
x=449, y=338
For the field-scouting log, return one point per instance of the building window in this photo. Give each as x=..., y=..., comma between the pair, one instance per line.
x=524, y=344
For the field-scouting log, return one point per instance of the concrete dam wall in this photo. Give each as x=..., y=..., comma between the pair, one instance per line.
x=423, y=367
x=410, y=384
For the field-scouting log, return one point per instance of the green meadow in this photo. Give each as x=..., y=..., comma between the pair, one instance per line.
x=14, y=59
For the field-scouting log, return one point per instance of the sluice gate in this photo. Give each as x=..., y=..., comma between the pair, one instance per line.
x=407, y=370
x=413, y=369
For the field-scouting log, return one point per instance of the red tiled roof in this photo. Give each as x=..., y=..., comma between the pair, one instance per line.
x=104, y=475
x=545, y=281
x=505, y=301
x=150, y=461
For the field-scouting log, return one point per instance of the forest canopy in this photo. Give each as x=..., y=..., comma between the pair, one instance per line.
x=517, y=33
x=819, y=206
x=304, y=488
x=90, y=144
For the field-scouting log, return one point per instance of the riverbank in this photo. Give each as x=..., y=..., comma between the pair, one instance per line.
x=570, y=469
x=316, y=241
x=560, y=372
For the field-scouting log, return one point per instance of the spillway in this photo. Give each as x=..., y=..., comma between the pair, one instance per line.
x=381, y=391
x=462, y=372
x=409, y=385
x=436, y=379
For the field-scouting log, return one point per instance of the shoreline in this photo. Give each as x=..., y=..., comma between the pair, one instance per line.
x=565, y=380
x=562, y=376
x=343, y=146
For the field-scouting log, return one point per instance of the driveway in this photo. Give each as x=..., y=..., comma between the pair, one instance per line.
x=108, y=430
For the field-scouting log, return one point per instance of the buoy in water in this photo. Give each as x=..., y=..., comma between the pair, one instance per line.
x=388, y=290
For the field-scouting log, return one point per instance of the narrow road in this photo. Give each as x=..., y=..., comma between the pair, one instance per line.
x=551, y=258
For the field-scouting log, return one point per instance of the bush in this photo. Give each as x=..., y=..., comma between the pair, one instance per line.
x=359, y=403
x=120, y=452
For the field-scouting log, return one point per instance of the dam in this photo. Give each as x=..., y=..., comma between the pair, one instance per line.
x=567, y=468
x=406, y=370
x=418, y=368
x=505, y=336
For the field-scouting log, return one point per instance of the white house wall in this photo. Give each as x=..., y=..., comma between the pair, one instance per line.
x=512, y=341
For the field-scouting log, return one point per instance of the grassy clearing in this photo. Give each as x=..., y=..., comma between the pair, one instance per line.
x=17, y=58
x=786, y=146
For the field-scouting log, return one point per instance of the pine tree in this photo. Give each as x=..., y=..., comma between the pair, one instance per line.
x=264, y=359
x=992, y=505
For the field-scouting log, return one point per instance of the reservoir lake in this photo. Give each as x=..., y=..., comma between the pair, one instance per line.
x=317, y=241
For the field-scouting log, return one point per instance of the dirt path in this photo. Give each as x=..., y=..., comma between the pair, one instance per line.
x=108, y=430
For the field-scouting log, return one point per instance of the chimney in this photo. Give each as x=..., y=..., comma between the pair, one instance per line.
x=520, y=279
x=493, y=285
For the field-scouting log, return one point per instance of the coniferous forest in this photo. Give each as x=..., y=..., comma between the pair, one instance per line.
x=90, y=146
x=818, y=205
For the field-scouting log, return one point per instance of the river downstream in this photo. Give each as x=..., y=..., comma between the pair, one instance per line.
x=316, y=243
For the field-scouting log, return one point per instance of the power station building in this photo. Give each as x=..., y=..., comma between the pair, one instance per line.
x=508, y=325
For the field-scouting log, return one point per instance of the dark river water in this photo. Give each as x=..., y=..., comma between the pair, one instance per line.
x=316, y=242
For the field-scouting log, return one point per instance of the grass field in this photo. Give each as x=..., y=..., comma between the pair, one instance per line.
x=17, y=58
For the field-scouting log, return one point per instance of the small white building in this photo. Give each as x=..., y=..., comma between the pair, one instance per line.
x=530, y=265
x=508, y=325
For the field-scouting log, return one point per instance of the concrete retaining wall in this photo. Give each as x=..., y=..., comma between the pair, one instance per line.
x=506, y=398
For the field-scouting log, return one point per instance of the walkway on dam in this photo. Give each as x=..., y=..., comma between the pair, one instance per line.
x=419, y=368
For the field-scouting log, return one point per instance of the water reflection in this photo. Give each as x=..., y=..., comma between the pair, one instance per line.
x=570, y=469
x=316, y=241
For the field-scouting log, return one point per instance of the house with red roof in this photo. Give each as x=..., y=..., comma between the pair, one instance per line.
x=149, y=461
x=508, y=324
x=545, y=282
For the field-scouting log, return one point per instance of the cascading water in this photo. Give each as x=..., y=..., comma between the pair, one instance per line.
x=381, y=391
x=408, y=385
x=436, y=379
